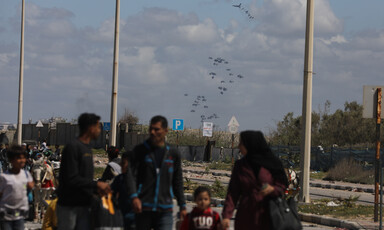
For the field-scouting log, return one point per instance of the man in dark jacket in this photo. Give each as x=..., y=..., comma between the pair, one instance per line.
x=76, y=185
x=158, y=173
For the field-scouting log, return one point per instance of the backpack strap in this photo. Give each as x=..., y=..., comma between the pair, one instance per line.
x=26, y=174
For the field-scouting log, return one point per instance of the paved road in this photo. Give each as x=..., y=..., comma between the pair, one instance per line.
x=307, y=226
x=320, y=193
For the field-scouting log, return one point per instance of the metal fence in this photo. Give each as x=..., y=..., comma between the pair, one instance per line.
x=64, y=133
x=321, y=159
x=326, y=158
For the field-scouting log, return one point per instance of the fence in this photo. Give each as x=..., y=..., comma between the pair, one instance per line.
x=321, y=159
x=64, y=133
x=324, y=159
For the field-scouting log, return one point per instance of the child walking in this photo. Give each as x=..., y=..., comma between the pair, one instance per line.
x=202, y=216
x=120, y=189
x=13, y=191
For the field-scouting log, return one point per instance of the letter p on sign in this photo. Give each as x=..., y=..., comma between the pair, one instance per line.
x=178, y=124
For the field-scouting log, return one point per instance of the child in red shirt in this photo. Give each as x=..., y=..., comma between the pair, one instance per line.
x=202, y=216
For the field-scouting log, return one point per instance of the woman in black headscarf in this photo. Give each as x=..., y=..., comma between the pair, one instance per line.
x=256, y=178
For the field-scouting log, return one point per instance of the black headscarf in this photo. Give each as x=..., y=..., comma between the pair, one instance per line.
x=260, y=155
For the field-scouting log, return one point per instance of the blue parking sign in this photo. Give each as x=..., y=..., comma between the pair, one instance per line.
x=107, y=126
x=178, y=124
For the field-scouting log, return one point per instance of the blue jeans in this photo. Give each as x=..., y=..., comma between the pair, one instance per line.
x=12, y=225
x=73, y=218
x=156, y=220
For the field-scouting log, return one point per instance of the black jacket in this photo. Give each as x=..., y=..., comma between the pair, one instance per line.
x=76, y=185
x=157, y=189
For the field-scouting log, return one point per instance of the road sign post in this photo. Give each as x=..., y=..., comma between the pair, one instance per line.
x=107, y=129
x=381, y=198
x=233, y=142
x=39, y=125
x=178, y=125
x=372, y=109
x=233, y=127
x=377, y=163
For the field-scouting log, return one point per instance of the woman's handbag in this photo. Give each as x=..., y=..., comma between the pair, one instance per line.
x=283, y=213
x=106, y=215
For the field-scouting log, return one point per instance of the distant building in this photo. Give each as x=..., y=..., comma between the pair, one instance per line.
x=53, y=121
x=5, y=126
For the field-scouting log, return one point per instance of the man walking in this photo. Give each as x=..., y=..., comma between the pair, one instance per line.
x=158, y=173
x=76, y=185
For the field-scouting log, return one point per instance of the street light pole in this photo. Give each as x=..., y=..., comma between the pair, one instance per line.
x=112, y=139
x=307, y=106
x=21, y=79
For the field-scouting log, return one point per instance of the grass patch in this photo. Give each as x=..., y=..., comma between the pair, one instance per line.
x=318, y=175
x=99, y=152
x=220, y=166
x=349, y=170
x=218, y=190
x=342, y=211
x=98, y=172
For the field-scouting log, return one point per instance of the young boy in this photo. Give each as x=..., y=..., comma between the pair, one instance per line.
x=13, y=191
x=202, y=216
x=121, y=192
x=114, y=166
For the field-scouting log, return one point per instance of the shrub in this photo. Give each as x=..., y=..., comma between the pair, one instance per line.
x=350, y=170
x=220, y=166
x=218, y=189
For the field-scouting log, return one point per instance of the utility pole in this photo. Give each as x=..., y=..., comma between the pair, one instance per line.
x=21, y=79
x=307, y=106
x=112, y=139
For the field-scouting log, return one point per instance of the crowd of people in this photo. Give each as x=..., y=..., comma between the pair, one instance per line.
x=139, y=187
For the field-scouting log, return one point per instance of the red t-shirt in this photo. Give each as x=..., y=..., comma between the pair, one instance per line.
x=201, y=219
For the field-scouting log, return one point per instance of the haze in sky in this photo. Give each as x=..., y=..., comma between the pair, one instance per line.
x=169, y=50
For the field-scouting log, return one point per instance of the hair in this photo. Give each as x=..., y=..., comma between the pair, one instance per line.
x=126, y=155
x=86, y=120
x=259, y=154
x=15, y=151
x=113, y=152
x=200, y=190
x=159, y=118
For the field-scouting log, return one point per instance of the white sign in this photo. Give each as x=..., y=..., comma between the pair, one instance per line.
x=233, y=129
x=39, y=124
x=207, y=129
x=233, y=125
x=370, y=101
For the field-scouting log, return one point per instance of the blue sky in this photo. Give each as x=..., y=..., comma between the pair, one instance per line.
x=164, y=50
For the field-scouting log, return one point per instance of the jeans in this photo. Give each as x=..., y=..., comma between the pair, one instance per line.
x=73, y=218
x=129, y=221
x=12, y=225
x=156, y=220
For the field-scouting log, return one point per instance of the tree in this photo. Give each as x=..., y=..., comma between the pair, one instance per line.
x=129, y=117
x=344, y=127
x=287, y=131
